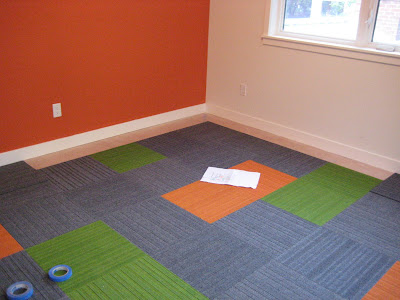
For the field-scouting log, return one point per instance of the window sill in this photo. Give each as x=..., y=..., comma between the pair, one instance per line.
x=364, y=54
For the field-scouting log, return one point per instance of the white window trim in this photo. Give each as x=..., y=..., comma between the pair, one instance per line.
x=277, y=38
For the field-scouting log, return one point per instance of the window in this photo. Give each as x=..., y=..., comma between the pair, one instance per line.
x=360, y=29
x=387, y=24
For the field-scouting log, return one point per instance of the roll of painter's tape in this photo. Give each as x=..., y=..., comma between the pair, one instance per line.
x=20, y=290
x=60, y=273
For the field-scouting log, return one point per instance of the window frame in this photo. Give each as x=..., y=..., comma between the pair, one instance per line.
x=361, y=49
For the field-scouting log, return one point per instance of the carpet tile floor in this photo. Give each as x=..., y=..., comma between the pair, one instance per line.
x=127, y=157
x=200, y=198
x=21, y=267
x=388, y=287
x=76, y=173
x=266, y=227
x=323, y=193
x=8, y=245
x=312, y=230
x=390, y=188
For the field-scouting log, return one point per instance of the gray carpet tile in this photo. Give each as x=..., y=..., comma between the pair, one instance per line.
x=383, y=207
x=172, y=144
x=154, y=224
x=248, y=143
x=275, y=281
x=218, y=138
x=199, y=139
x=21, y=267
x=291, y=162
x=19, y=197
x=43, y=218
x=275, y=156
x=337, y=263
x=208, y=144
x=390, y=187
x=208, y=132
x=19, y=183
x=76, y=173
x=104, y=197
x=211, y=261
x=373, y=221
x=215, y=155
x=166, y=175
x=18, y=176
x=266, y=227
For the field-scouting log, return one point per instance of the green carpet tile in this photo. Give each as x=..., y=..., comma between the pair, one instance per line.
x=127, y=157
x=97, y=253
x=322, y=194
x=90, y=251
x=344, y=180
x=143, y=279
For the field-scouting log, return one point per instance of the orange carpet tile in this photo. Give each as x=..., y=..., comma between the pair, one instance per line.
x=212, y=202
x=8, y=245
x=388, y=287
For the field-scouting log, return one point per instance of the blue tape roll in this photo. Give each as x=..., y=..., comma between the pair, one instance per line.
x=20, y=290
x=61, y=278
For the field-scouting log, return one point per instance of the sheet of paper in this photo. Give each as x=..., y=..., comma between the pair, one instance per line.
x=231, y=177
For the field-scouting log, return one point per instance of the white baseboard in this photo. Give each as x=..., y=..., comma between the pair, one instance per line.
x=98, y=134
x=357, y=154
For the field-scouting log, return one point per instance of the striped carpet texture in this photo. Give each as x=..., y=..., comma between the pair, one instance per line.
x=211, y=260
x=18, y=176
x=200, y=146
x=43, y=218
x=266, y=227
x=388, y=287
x=311, y=230
x=208, y=133
x=102, y=198
x=322, y=194
x=19, y=183
x=127, y=157
x=372, y=221
x=337, y=263
x=249, y=144
x=77, y=173
x=310, y=201
x=277, y=281
x=155, y=224
x=144, y=278
x=272, y=155
x=165, y=175
x=172, y=144
x=343, y=180
x=21, y=267
x=101, y=257
x=212, y=202
x=8, y=245
x=291, y=162
x=90, y=251
x=18, y=198
x=389, y=188
x=213, y=155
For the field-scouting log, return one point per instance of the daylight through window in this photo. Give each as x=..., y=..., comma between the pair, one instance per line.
x=359, y=23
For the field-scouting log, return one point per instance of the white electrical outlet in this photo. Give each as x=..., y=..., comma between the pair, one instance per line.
x=243, y=89
x=57, y=110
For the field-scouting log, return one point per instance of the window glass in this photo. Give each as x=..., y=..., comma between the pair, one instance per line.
x=332, y=19
x=387, y=26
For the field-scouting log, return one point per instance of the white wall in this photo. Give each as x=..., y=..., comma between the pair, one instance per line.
x=345, y=106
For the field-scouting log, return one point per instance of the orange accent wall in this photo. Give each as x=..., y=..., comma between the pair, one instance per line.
x=106, y=61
